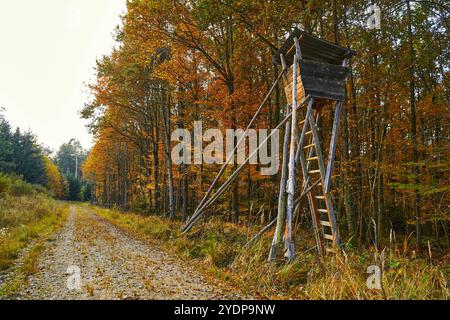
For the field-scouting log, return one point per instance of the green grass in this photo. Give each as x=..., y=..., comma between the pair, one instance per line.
x=23, y=219
x=216, y=247
x=28, y=216
x=27, y=220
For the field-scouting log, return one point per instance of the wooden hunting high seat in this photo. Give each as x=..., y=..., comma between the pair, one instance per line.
x=322, y=72
x=321, y=69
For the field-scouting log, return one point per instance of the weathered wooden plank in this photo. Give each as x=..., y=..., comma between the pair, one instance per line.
x=326, y=95
x=319, y=81
x=289, y=83
x=328, y=236
x=320, y=71
x=323, y=84
x=300, y=92
x=290, y=72
x=324, y=70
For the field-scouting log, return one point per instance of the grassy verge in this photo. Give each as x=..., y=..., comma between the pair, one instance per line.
x=216, y=248
x=25, y=220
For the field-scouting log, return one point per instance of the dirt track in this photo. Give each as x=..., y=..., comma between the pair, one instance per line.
x=112, y=265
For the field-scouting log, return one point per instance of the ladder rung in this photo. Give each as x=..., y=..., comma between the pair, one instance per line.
x=314, y=171
x=313, y=158
x=325, y=223
x=328, y=236
x=309, y=146
x=323, y=210
x=302, y=122
x=308, y=132
x=320, y=197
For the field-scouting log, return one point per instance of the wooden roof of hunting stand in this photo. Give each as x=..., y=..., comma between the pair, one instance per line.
x=313, y=48
x=322, y=71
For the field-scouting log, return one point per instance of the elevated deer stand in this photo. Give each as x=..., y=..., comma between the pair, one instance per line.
x=316, y=69
x=314, y=74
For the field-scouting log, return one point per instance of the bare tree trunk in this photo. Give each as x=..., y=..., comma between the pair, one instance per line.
x=183, y=170
x=336, y=22
x=413, y=128
x=166, y=122
x=235, y=188
x=354, y=137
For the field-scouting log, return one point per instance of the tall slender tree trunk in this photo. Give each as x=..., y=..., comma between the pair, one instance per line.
x=413, y=128
x=336, y=22
x=166, y=121
x=235, y=187
x=350, y=112
x=183, y=170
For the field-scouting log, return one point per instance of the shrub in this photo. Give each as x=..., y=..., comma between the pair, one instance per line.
x=5, y=183
x=140, y=204
x=41, y=189
x=21, y=188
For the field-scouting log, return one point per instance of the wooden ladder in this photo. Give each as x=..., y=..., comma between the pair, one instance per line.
x=314, y=173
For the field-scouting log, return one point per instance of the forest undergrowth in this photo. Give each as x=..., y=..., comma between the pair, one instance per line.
x=220, y=251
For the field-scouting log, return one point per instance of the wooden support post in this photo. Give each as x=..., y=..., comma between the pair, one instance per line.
x=277, y=237
x=298, y=49
x=333, y=143
x=290, y=250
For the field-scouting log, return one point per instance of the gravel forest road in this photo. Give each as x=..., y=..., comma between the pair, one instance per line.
x=93, y=259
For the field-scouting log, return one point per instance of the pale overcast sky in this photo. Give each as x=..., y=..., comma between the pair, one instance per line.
x=48, y=50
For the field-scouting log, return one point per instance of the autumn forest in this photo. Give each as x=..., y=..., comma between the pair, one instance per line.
x=177, y=63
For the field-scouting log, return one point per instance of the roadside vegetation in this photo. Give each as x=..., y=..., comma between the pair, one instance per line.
x=219, y=249
x=26, y=213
